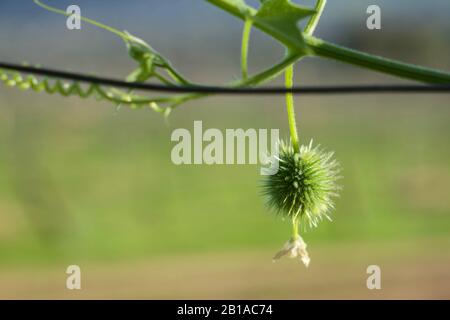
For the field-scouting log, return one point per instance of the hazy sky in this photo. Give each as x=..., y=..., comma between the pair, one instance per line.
x=165, y=9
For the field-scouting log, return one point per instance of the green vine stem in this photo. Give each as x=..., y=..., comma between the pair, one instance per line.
x=314, y=21
x=321, y=48
x=260, y=78
x=270, y=73
x=289, y=83
x=245, y=44
x=326, y=49
x=295, y=224
x=310, y=46
x=289, y=78
x=171, y=71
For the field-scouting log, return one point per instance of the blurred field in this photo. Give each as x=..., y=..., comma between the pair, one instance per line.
x=86, y=185
x=410, y=270
x=83, y=183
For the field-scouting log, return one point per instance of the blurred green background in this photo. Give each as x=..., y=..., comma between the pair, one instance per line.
x=82, y=183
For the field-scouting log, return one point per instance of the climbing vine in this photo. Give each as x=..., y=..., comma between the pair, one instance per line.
x=306, y=183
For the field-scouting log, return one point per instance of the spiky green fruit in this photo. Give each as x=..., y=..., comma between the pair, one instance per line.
x=305, y=184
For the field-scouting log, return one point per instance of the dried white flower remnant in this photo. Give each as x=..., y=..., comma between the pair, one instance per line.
x=294, y=248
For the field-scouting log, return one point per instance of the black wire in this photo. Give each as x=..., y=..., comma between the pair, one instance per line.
x=351, y=89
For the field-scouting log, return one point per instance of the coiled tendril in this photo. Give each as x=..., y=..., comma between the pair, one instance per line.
x=66, y=89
